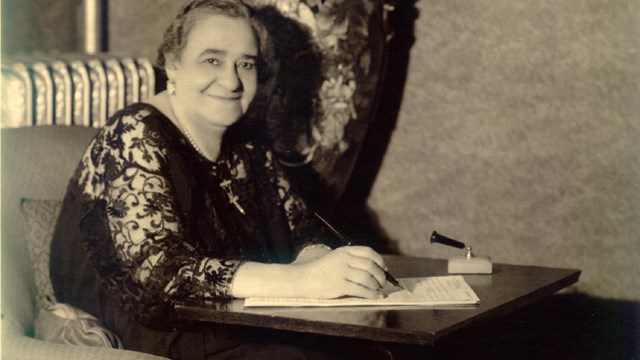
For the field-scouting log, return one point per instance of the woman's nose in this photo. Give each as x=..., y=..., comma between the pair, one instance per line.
x=229, y=79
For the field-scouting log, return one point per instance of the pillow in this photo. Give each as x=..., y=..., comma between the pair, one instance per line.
x=65, y=324
x=40, y=217
x=56, y=322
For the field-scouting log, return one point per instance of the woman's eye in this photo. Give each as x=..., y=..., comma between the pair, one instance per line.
x=213, y=61
x=248, y=65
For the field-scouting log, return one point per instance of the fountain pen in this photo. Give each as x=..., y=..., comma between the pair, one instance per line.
x=344, y=238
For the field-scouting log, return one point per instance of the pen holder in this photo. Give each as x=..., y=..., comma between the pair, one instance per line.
x=469, y=264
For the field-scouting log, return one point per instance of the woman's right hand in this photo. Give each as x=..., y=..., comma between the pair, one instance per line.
x=346, y=271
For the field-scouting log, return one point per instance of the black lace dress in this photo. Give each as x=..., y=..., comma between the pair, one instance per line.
x=148, y=222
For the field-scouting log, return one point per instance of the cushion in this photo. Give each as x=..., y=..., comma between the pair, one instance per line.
x=56, y=322
x=65, y=324
x=40, y=219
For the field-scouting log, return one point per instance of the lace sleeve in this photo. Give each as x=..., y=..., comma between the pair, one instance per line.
x=306, y=230
x=146, y=229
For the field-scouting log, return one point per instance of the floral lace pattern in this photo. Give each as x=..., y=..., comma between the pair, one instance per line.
x=157, y=247
x=339, y=29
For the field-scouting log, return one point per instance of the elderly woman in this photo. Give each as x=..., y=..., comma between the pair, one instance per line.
x=180, y=198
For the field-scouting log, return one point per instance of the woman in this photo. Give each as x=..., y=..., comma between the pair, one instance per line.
x=179, y=198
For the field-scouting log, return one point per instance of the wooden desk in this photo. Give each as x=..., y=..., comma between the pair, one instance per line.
x=508, y=288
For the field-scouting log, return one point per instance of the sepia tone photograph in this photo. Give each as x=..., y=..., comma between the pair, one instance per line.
x=320, y=179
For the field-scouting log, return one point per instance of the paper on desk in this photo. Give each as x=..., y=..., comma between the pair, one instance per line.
x=425, y=291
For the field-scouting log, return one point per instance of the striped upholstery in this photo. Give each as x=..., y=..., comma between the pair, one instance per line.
x=71, y=89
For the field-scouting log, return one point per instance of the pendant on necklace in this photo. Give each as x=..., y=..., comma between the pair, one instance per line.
x=233, y=199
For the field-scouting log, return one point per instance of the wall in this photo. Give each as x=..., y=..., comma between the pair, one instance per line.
x=40, y=25
x=136, y=27
x=519, y=133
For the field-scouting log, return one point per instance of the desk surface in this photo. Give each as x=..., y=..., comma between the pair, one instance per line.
x=508, y=288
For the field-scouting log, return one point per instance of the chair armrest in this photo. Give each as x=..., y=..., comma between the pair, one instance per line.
x=17, y=346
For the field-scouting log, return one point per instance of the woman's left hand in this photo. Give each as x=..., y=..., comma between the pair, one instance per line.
x=346, y=271
x=310, y=253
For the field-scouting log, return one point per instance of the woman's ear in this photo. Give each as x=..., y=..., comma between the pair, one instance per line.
x=171, y=66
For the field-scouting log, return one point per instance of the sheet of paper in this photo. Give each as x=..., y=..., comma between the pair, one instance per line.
x=425, y=291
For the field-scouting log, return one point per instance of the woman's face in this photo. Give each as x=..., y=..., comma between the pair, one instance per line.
x=215, y=75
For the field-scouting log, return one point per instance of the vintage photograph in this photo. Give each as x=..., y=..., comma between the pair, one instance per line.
x=320, y=179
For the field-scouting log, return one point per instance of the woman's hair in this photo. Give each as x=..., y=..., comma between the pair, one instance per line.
x=175, y=37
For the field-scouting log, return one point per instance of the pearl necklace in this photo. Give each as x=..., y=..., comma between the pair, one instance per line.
x=187, y=134
x=225, y=185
